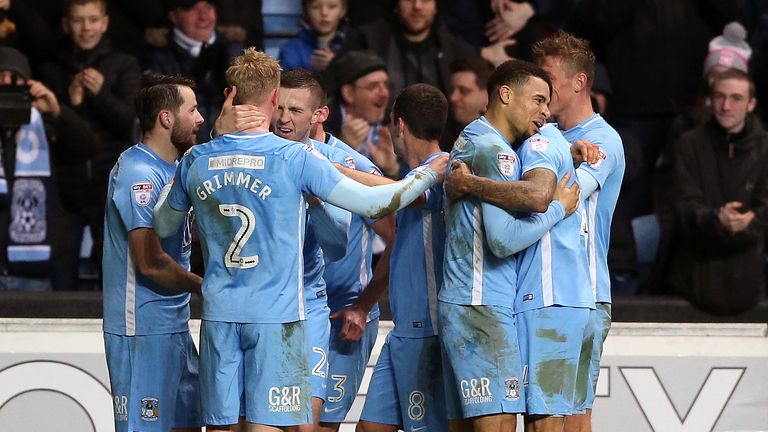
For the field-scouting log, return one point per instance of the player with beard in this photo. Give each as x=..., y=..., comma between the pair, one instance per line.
x=152, y=362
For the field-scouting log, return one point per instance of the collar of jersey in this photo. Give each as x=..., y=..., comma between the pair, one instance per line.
x=432, y=157
x=148, y=150
x=484, y=121
x=242, y=135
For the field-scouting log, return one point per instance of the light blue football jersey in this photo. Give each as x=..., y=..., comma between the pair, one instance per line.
x=133, y=303
x=346, y=278
x=609, y=172
x=247, y=192
x=314, y=262
x=553, y=271
x=472, y=275
x=416, y=265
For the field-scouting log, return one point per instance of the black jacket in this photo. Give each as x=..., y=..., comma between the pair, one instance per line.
x=716, y=270
x=440, y=49
x=207, y=70
x=110, y=115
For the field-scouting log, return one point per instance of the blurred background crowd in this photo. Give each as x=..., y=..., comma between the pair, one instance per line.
x=693, y=209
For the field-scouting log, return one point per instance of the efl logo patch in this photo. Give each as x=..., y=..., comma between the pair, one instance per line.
x=349, y=161
x=601, y=156
x=460, y=143
x=142, y=192
x=506, y=163
x=539, y=144
x=149, y=409
x=512, y=387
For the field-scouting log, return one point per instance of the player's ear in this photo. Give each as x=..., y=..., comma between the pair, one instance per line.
x=321, y=114
x=166, y=120
x=273, y=98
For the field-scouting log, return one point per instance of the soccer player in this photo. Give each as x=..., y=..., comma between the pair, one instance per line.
x=247, y=190
x=477, y=323
x=406, y=390
x=571, y=65
x=151, y=359
x=299, y=108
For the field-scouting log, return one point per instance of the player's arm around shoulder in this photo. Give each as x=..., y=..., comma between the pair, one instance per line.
x=173, y=204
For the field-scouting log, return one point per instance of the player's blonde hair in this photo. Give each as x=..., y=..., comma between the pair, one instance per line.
x=255, y=74
x=574, y=53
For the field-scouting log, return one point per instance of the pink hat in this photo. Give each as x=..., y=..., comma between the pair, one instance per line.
x=729, y=50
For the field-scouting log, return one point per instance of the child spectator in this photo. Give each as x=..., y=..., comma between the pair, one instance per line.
x=323, y=33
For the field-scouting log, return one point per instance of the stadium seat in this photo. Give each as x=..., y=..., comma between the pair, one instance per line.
x=281, y=22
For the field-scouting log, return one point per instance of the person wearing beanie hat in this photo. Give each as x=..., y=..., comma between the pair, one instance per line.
x=729, y=50
x=31, y=252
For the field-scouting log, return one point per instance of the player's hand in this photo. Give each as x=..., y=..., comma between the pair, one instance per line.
x=439, y=165
x=93, y=80
x=354, y=320
x=237, y=118
x=43, y=98
x=496, y=53
x=321, y=58
x=76, y=90
x=383, y=153
x=355, y=131
x=584, y=151
x=568, y=196
x=313, y=201
x=457, y=180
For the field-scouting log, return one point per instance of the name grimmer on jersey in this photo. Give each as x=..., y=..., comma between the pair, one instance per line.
x=234, y=178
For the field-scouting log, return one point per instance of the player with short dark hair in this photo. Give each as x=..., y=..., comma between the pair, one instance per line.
x=151, y=358
x=485, y=378
x=406, y=390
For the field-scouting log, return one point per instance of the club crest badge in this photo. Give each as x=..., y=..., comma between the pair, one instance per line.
x=149, y=409
x=349, y=161
x=512, y=387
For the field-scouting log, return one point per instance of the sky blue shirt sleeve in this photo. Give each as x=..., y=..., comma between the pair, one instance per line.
x=177, y=197
x=538, y=152
x=315, y=173
x=136, y=192
x=607, y=161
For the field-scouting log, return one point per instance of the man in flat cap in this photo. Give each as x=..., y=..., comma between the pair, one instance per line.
x=196, y=50
x=361, y=81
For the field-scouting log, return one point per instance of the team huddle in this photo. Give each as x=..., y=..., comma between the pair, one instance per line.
x=495, y=265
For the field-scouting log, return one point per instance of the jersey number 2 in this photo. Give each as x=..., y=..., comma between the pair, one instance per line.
x=232, y=257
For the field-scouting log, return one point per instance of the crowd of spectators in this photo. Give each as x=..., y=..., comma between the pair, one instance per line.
x=682, y=82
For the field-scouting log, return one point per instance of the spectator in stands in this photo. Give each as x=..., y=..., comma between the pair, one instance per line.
x=358, y=110
x=197, y=51
x=722, y=202
x=416, y=47
x=468, y=97
x=35, y=139
x=99, y=84
x=323, y=32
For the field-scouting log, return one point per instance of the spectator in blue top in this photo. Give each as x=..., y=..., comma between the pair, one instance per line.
x=323, y=33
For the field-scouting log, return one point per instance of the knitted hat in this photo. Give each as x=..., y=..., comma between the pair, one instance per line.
x=12, y=59
x=729, y=50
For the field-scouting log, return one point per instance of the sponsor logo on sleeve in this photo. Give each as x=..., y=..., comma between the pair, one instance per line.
x=506, y=163
x=539, y=144
x=142, y=193
x=601, y=156
x=349, y=161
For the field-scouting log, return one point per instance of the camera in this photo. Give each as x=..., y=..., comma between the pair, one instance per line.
x=15, y=105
